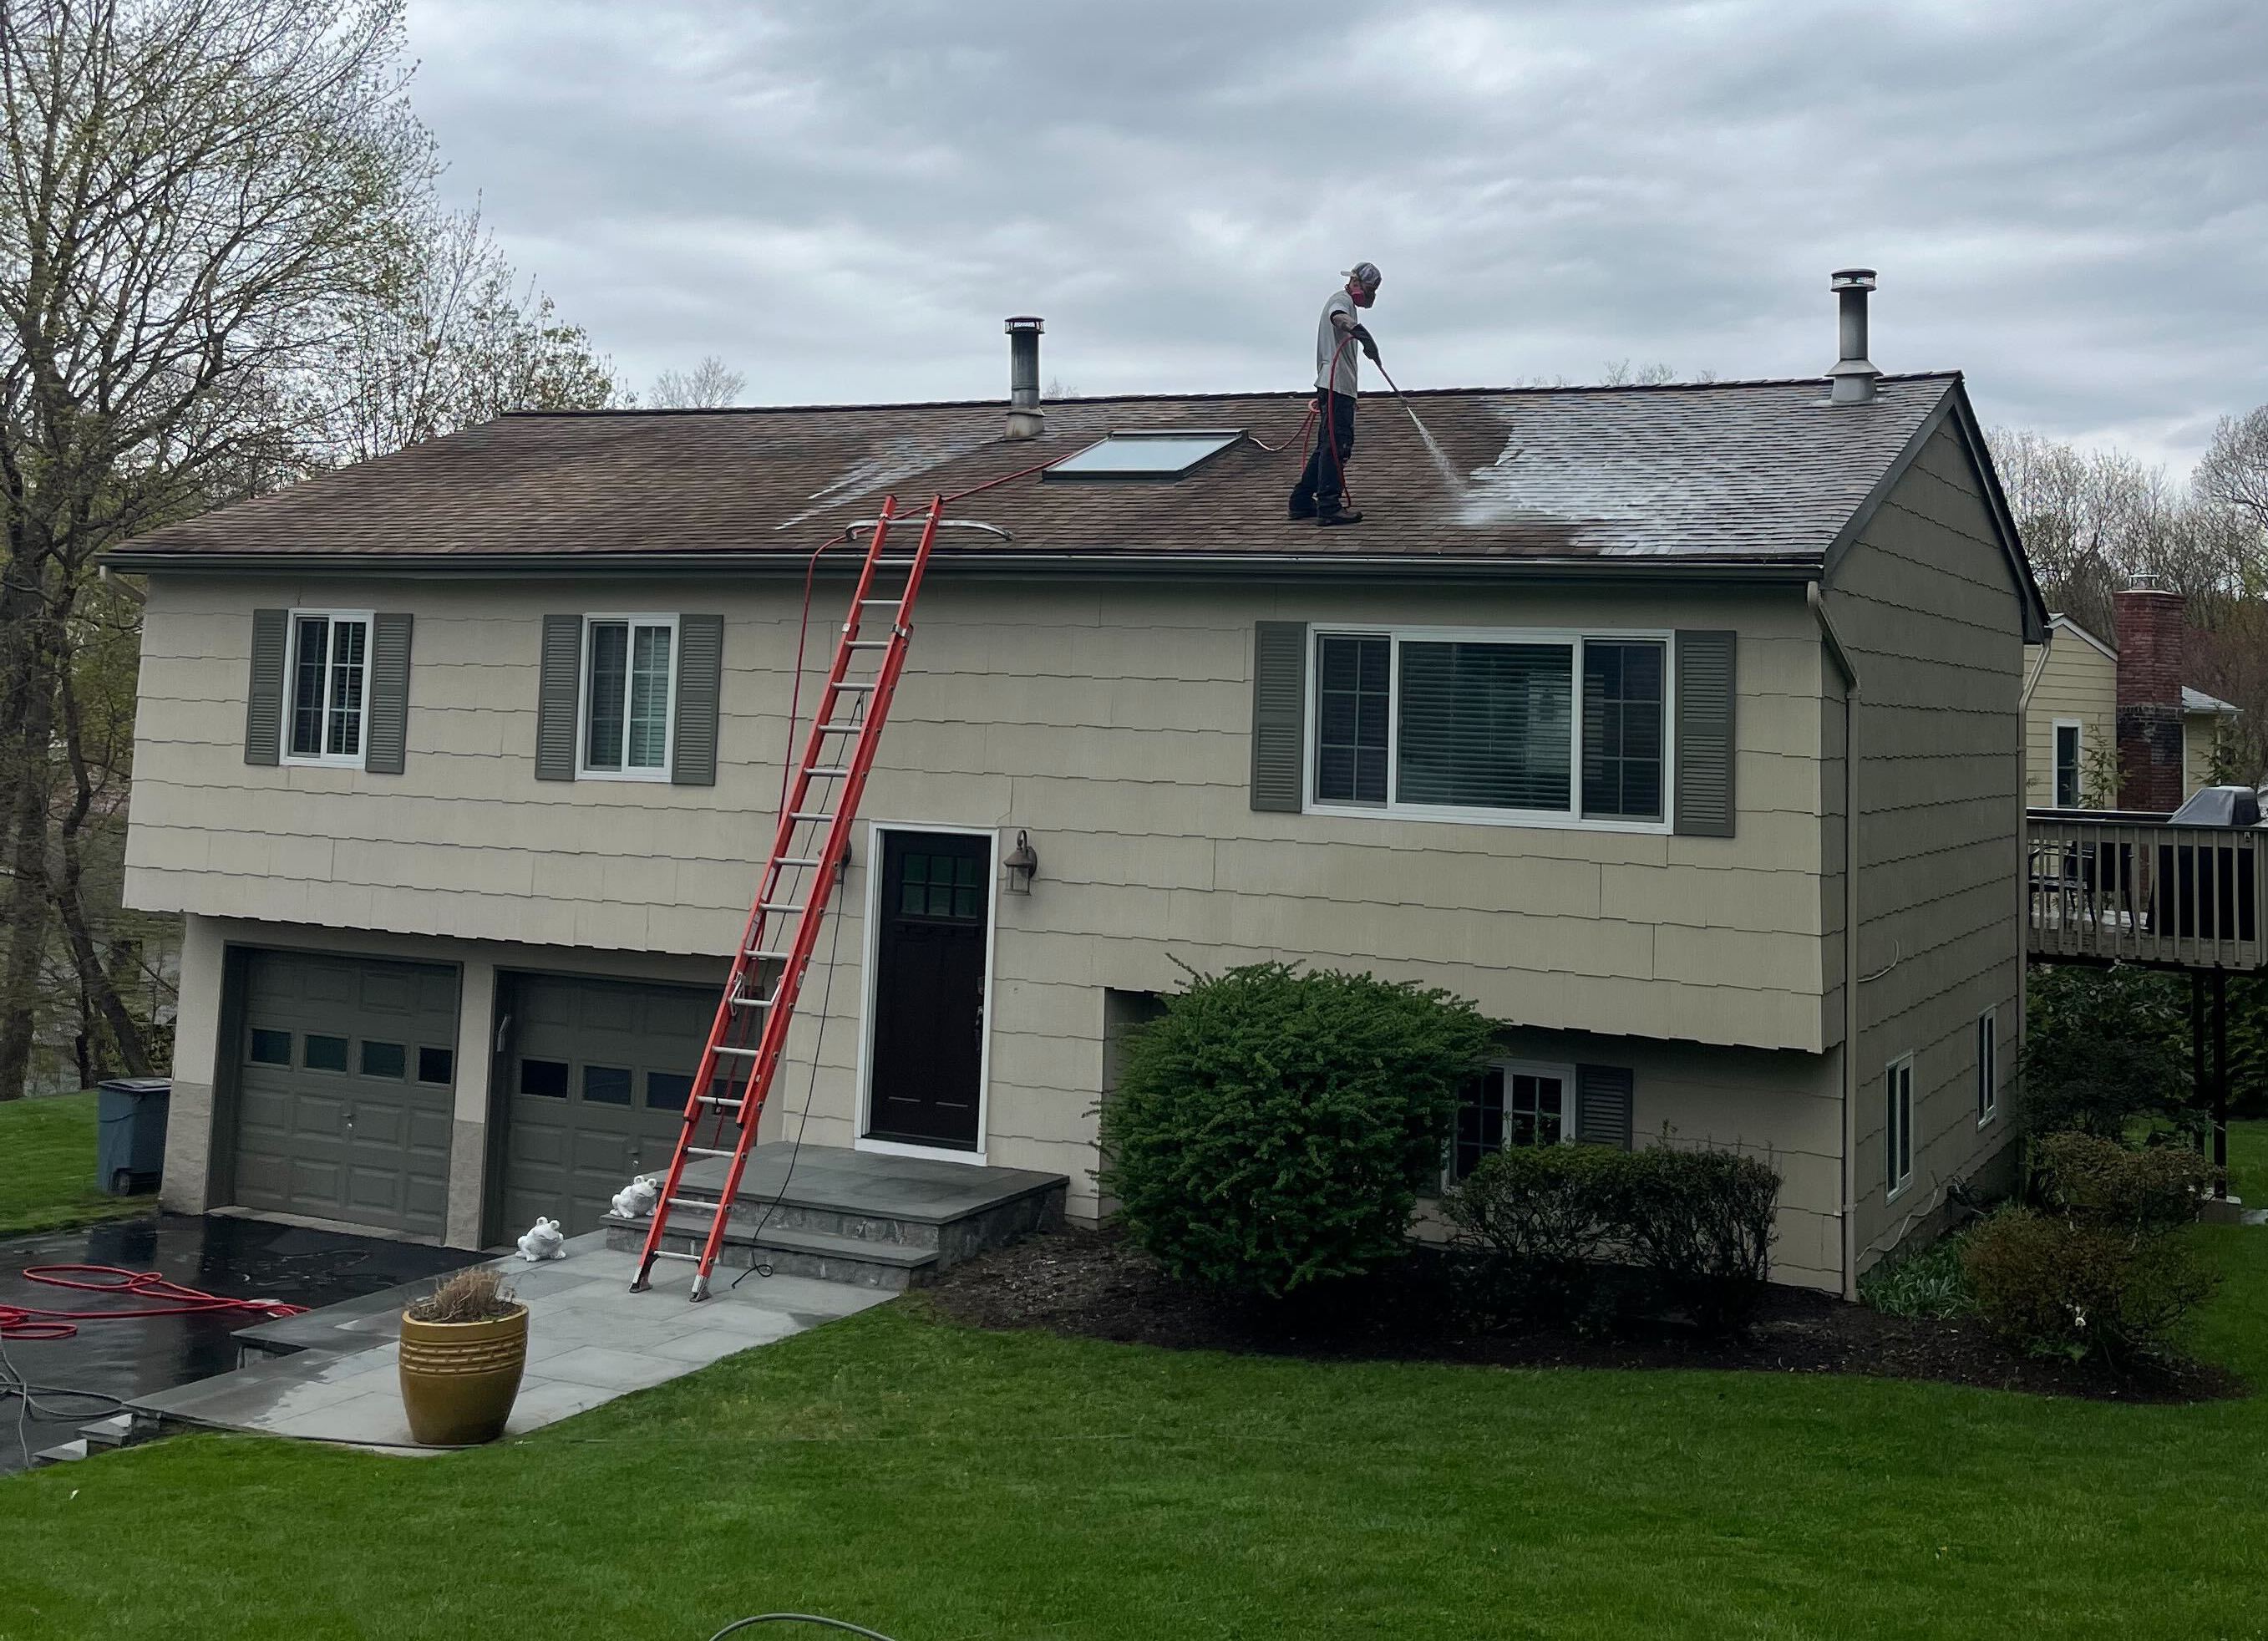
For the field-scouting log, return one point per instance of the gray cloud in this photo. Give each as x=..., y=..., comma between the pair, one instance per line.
x=843, y=200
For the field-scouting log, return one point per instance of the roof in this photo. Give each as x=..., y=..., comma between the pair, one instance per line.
x=2198, y=701
x=1756, y=474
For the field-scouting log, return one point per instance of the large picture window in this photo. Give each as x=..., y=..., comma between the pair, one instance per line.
x=329, y=684
x=1488, y=725
x=629, y=682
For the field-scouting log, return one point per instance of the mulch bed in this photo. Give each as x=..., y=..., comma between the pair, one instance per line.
x=1096, y=1285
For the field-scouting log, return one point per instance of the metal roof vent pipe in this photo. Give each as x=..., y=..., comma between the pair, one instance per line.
x=1025, y=420
x=1851, y=381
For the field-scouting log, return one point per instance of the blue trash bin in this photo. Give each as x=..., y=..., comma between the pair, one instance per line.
x=130, y=1152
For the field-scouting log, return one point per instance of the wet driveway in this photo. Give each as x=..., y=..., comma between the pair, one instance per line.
x=218, y=1254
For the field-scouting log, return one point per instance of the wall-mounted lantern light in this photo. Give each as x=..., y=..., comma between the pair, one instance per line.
x=1023, y=864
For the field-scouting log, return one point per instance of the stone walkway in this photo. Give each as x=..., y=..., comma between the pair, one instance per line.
x=589, y=1340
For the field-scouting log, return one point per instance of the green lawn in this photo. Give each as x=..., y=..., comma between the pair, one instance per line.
x=47, y=1168
x=943, y=1484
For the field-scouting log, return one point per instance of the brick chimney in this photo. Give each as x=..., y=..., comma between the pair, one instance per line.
x=2151, y=632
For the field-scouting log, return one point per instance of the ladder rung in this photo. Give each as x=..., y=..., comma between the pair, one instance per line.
x=828, y=769
x=850, y=727
x=870, y=643
x=848, y=685
x=893, y=564
x=704, y=1151
x=737, y=1053
x=899, y=599
x=717, y=1099
x=810, y=814
x=779, y=905
x=741, y=1000
x=797, y=859
x=664, y=1254
x=768, y=957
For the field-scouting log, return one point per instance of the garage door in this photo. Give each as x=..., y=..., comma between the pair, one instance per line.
x=599, y=1071
x=344, y=1088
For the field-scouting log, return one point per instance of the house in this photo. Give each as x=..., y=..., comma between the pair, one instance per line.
x=2091, y=712
x=1683, y=736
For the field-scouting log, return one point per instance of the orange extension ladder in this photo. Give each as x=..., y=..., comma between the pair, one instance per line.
x=748, y=1038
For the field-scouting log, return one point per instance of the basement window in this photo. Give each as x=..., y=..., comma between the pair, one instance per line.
x=1158, y=453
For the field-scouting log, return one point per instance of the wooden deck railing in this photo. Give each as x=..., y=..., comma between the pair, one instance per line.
x=2111, y=886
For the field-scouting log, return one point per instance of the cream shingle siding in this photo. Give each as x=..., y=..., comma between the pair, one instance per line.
x=1110, y=721
x=1927, y=608
x=2077, y=682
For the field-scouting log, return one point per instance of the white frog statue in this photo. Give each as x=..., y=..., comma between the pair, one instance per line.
x=635, y=1199
x=543, y=1241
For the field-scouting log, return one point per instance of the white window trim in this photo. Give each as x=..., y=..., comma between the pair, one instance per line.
x=1988, y=1065
x=1517, y=1067
x=1903, y=1063
x=1568, y=819
x=324, y=760
x=583, y=770
x=2078, y=727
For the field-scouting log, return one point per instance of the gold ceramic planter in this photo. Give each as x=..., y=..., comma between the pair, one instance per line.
x=459, y=1379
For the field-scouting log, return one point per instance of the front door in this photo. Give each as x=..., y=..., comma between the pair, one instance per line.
x=928, y=1027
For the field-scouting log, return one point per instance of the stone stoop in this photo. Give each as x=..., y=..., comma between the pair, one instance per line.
x=888, y=1223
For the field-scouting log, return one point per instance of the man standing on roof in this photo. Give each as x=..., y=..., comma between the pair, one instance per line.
x=1321, y=490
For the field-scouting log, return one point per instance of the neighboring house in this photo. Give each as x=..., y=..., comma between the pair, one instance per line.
x=2073, y=719
x=461, y=764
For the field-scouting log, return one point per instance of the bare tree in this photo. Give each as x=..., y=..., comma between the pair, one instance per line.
x=708, y=386
x=2234, y=472
x=193, y=196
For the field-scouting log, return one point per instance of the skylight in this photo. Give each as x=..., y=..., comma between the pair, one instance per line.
x=1160, y=453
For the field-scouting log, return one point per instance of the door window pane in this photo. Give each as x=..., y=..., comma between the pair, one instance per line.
x=1485, y=725
x=607, y=1085
x=1480, y=1121
x=384, y=1059
x=437, y=1065
x=602, y=741
x=2066, y=766
x=271, y=1048
x=1534, y=1109
x=325, y=1054
x=1622, y=730
x=547, y=1079
x=1353, y=678
x=649, y=706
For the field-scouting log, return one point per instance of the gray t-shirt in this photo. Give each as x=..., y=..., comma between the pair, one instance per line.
x=1335, y=349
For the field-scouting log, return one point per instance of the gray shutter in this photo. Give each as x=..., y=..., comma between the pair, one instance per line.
x=1705, y=693
x=1603, y=1105
x=389, y=694
x=699, y=678
x=1279, y=714
x=555, y=698
x=263, y=698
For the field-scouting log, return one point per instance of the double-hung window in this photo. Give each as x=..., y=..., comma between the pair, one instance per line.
x=2068, y=732
x=1988, y=1065
x=630, y=670
x=1897, y=1124
x=1512, y=1104
x=1492, y=725
x=328, y=704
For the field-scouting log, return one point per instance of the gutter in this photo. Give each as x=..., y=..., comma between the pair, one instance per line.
x=1245, y=565
x=1832, y=642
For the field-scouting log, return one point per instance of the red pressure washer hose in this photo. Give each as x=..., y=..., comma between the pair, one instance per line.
x=18, y=1321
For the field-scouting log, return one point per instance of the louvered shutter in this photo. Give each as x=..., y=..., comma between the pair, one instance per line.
x=389, y=694
x=1603, y=1105
x=700, y=678
x=1279, y=714
x=555, y=698
x=263, y=698
x=1705, y=694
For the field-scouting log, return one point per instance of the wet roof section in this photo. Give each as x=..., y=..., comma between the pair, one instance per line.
x=1729, y=472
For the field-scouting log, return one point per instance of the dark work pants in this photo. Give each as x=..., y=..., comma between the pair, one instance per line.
x=1323, y=483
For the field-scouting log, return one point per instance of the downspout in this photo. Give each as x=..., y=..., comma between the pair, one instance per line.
x=1833, y=644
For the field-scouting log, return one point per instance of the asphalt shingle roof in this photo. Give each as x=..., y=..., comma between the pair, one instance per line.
x=1730, y=472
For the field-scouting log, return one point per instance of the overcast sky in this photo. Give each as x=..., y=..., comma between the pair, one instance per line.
x=2068, y=199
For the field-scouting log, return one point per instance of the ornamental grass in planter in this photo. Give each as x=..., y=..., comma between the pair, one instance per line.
x=464, y=1348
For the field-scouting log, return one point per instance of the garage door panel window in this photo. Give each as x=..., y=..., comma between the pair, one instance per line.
x=1500, y=725
x=324, y=1053
x=269, y=1048
x=609, y=1085
x=666, y=1090
x=546, y=1079
x=437, y=1066
x=329, y=676
x=629, y=685
x=390, y=1060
